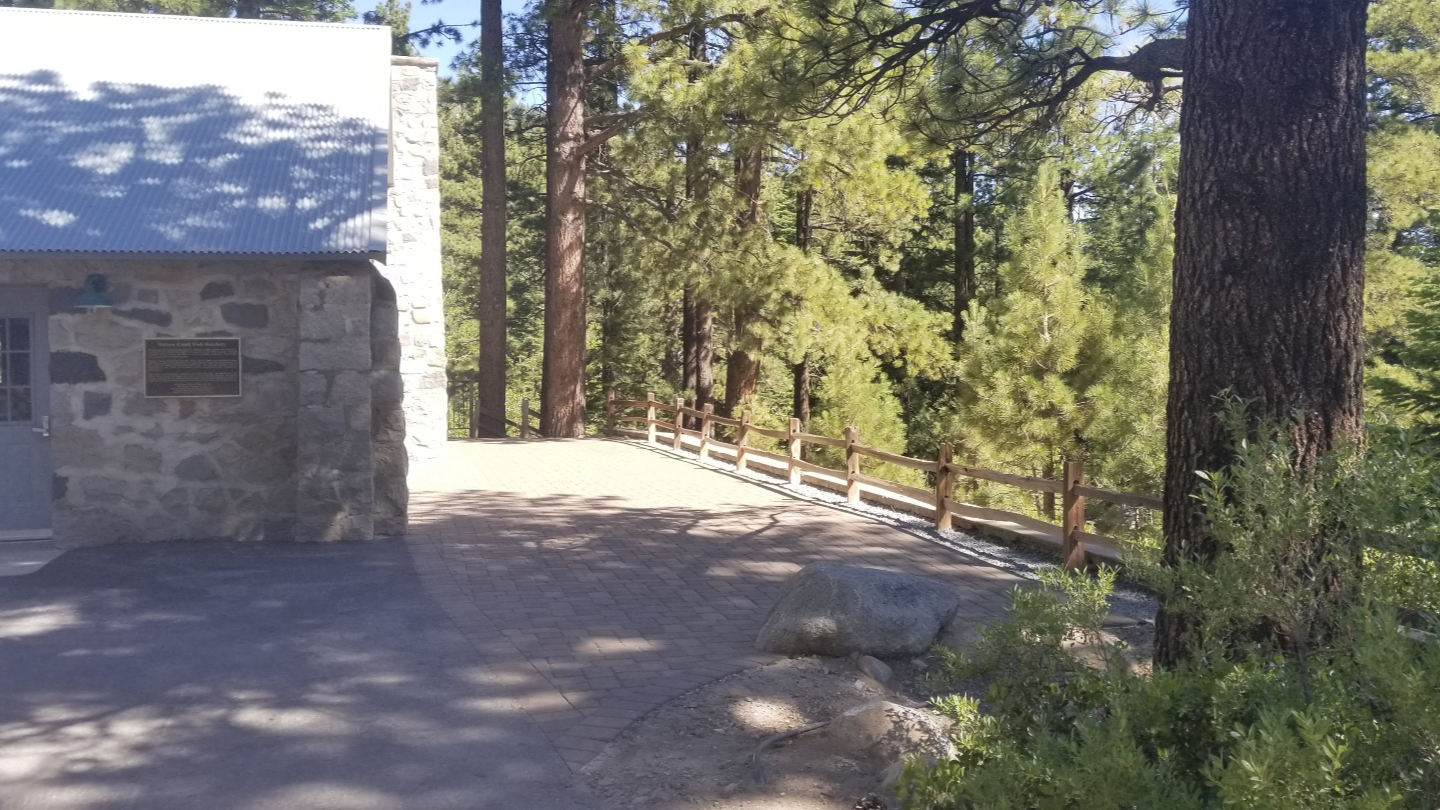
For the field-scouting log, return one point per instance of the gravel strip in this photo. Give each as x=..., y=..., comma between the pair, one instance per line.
x=1127, y=598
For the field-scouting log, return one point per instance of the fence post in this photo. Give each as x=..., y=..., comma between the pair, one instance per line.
x=679, y=419
x=474, y=427
x=794, y=444
x=1073, y=550
x=706, y=426
x=650, y=416
x=525, y=418
x=610, y=412
x=741, y=439
x=852, y=465
x=944, y=483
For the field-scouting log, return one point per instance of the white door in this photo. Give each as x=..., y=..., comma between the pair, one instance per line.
x=25, y=464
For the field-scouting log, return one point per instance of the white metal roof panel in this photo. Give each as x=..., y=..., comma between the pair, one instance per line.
x=151, y=134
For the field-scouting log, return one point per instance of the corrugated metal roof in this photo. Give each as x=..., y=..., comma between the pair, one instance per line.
x=150, y=134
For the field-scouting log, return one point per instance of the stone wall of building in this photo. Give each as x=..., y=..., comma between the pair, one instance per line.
x=300, y=455
x=130, y=469
x=413, y=253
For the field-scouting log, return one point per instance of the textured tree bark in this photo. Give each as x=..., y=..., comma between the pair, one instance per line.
x=742, y=371
x=688, y=352
x=1270, y=227
x=964, y=237
x=490, y=379
x=704, y=354
x=700, y=324
x=609, y=312
x=670, y=363
x=562, y=389
x=801, y=370
x=804, y=207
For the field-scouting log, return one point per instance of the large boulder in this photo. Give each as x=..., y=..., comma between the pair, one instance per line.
x=836, y=609
x=891, y=731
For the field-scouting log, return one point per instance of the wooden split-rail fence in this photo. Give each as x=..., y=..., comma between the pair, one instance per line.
x=1077, y=547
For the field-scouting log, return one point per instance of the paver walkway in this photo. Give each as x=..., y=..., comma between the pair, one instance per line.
x=599, y=579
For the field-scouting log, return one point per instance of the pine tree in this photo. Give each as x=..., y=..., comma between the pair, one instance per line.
x=1031, y=357
x=1414, y=387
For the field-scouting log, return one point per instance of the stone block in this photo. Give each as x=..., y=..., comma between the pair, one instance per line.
x=137, y=405
x=353, y=355
x=197, y=468
x=211, y=500
x=95, y=404
x=140, y=458
x=246, y=316
x=70, y=368
x=102, y=488
x=259, y=365
x=217, y=289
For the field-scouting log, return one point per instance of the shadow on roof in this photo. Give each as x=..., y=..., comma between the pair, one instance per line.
x=146, y=169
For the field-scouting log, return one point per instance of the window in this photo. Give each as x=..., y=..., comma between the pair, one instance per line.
x=15, y=371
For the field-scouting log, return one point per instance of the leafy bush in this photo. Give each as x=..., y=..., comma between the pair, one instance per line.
x=1313, y=679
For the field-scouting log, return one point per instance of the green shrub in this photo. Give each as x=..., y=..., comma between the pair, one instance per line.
x=1313, y=680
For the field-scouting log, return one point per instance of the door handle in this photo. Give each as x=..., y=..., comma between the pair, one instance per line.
x=44, y=429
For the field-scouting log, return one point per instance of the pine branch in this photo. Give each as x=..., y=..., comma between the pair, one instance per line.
x=676, y=33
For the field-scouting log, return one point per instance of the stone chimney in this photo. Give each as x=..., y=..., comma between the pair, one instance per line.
x=412, y=264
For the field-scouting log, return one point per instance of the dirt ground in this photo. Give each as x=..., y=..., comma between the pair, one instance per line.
x=695, y=752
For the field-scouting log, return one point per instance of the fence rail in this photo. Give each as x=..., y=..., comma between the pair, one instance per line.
x=1077, y=547
x=471, y=421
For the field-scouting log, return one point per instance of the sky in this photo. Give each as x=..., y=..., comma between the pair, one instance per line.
x=423, y=15
x=453, y=12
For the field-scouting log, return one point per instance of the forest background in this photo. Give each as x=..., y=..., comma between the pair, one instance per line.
x=913, y=267
x=948, y=261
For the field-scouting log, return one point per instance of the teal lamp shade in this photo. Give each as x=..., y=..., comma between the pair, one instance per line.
x=93, y=295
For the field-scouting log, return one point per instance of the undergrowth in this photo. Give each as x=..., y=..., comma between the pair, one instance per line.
x=1312, y=678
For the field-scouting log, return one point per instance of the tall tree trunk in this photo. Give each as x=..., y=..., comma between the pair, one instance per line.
x=609, y=311
x=490, y=379
x=562, y=389
x=700, y=351
x=964, y=237
x=688, y=346
x=804, y=207
x=801, y=370
x=1270, y=229
x=742, y=371
x=670, y=362
x=704, y=354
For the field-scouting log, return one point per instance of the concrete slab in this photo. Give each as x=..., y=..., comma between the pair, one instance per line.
x=19, y=557
x=234, y=677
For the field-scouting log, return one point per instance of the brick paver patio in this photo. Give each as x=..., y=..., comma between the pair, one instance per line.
x=599, y=579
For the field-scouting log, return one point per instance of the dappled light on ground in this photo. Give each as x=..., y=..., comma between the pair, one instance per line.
x=603, y=578
x=178, y=676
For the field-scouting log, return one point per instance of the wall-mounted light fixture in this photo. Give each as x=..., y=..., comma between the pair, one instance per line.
x=93, y=297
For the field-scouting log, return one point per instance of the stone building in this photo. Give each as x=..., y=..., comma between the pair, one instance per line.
x=220, y=298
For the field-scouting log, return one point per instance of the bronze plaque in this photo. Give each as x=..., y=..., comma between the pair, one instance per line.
x=192, y=367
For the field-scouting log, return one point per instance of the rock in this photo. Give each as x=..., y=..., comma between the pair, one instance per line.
x=891, y=775
x=889, y=778
x=960, y=635
x=835, y=609
x=1114, y=620
x=875, y=668
x=892, y=731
